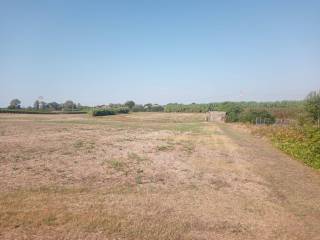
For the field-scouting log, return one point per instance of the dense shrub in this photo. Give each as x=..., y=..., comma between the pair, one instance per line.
x=312, y=105
x=156, y=108
x=109, y=111
x=35, y=111
x=130, y=104
x=176, y=107
x=251, y=116
x=138, y=108
x=285, y=109
x=123, y=110
x=233, y=111
x=245, y=111
x=24, y=111
x=102, y=112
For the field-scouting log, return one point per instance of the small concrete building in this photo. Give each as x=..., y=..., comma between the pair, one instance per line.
x=216, y=116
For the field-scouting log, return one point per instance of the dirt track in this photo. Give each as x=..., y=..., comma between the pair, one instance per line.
x=149, y=176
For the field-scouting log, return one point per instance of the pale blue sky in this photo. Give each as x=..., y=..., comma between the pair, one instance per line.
x=98, y=52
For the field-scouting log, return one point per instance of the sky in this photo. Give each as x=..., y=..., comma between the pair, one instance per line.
x=97, y=52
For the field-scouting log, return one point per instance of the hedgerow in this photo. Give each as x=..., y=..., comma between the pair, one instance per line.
x=109, y=111
x=35, y=111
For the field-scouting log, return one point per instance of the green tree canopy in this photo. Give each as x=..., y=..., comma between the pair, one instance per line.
x=130, y=104
x=69, y=104
x=36, y=104
x=15, y=103
x=313, y=105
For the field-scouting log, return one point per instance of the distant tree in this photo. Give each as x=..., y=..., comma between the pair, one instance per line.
x=157, y=108
x=147, y=107
x=15, y=104
x=138, y=108
x=42, y=105
x=36, y=104
x=115, y=105
x=54, y=106
x=251, y=116
x=69, y=105
x=313, y=105
x=130, y=104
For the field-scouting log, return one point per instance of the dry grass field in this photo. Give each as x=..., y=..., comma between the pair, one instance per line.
x=149, y=176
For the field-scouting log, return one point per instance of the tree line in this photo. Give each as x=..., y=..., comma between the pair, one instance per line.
x=303, y=110
x=42, y=105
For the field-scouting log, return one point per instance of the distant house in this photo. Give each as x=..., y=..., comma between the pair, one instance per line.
x=216, y=116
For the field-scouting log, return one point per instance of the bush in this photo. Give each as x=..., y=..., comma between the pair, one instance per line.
x=35, y=111
x=109, y=111
x=312, y=105
x=25, y=111
x=250, y=116
x=102, y=112
x=123, y=110
x=138, y=108
x=156, y=108
x=149, y=107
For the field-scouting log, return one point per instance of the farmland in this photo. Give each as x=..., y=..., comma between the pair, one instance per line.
x=149, y=176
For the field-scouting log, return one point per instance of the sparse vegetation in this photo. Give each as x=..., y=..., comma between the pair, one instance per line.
x=165, y=147
x=117, y=164
x=136, y=157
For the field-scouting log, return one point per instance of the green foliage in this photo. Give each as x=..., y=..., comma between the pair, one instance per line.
x=313, y=105
x=233, y=110
x=130, y=104
x=176, y=107
x=244, y=111
x=300, y=142
x=123, y=110
x=36, y=104
x=138, y=108
x=69, y=105
x=14, y=104
x=40, y=111
x=102, y=112
x=250, y=116
x=54, y=106
x=109, y=111
x=156, y=108
x=149, y=107
x=24, y=111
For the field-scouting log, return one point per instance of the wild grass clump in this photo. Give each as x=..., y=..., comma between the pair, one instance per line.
x=301, y=142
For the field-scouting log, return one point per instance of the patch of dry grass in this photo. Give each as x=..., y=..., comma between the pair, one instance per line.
x=136, y=176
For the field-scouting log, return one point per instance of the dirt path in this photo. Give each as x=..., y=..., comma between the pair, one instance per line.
x=291, y=187
x=149, y=176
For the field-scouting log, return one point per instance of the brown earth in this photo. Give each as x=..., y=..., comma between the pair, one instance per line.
x=149, y=176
